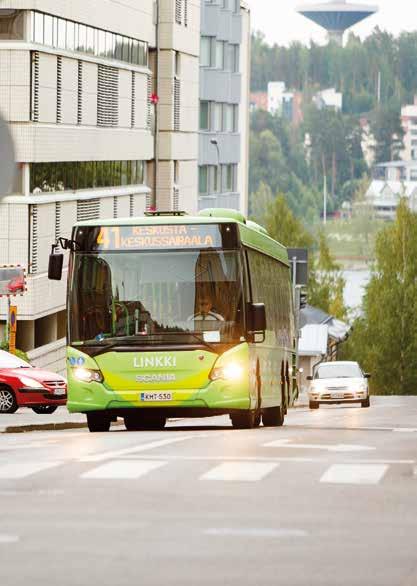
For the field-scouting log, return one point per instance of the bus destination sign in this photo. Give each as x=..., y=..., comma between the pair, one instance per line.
x=201, y=236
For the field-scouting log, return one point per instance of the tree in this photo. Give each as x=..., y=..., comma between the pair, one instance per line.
x=326, y=284
x=385, y=337
x=260, y=203
x=283, y=226
x=389, y=134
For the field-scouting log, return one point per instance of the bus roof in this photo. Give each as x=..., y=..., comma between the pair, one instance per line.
x=251, y=234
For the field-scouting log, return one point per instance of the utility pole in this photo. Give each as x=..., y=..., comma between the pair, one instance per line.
x=325, y=199
x=157, y=73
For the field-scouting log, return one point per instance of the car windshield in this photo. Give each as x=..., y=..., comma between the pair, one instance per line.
x=338, y=371
x=9, y=361
x=168, y=297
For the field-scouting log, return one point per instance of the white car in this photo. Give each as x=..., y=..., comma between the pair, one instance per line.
x=338, y=382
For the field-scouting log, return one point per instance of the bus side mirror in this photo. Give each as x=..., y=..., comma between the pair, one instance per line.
x=56, y=262
x=257, y=318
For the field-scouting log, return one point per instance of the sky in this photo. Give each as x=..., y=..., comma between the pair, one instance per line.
x=280, y=23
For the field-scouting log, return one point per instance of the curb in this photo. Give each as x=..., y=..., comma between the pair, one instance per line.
x=47, y=427
x=43, y=427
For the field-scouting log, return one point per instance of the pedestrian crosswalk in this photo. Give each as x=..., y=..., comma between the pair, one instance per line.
x=123, y=469
x=354, y=474
x=228, y=471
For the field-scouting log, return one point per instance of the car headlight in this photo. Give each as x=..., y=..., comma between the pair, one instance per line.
x=363, y=387
x=87, y=375
x=30, y=383
x=232, y=371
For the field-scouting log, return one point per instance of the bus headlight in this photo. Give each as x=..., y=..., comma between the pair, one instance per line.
x=232, y=371
x=88, y=376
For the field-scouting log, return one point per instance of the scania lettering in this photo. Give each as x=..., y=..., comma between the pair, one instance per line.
x=177, y=316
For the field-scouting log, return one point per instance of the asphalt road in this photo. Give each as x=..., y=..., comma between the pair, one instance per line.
x=329, y=499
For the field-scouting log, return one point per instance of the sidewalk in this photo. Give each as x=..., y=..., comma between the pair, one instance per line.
x=26, y=420
x=302, y=401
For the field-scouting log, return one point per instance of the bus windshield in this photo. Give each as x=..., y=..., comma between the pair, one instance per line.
x=166, y=297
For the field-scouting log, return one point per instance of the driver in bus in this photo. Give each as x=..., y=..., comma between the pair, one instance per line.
x=205, y=311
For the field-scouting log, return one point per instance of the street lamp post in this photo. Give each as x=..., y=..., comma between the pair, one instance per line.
x=215, y=143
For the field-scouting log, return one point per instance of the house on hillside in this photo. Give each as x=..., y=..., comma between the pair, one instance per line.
x=392, y=181
x=321, y=336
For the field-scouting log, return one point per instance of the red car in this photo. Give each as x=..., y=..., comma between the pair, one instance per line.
x=16, y=285
x=22, y=385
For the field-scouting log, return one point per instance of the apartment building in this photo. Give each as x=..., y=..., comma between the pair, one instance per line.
x=224, y=104
x=78, y=84
x=409, y=123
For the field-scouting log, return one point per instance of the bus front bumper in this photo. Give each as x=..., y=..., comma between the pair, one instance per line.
x=217, y=396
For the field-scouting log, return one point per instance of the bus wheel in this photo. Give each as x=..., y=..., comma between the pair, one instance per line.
x=137, y=422
x=273, y=417
x=244, y=420
x=98, y=422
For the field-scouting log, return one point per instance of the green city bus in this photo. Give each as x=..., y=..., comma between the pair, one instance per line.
x=177, y=316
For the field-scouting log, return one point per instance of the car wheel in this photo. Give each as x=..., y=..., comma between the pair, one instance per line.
x=273, y=417
x=243, y=420
x=314, y=405
x=366, y=403
x=8, y=403
x=135, y=422
x=44, y=409
x=98, y=422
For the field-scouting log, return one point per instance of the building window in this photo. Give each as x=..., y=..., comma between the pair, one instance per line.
x=204, y=115
x=203, y=180
x=217, y=114
x=220, y=61
x=12, y=24
x=229, y=176
x=209, y=179
x=72, y=36
x=71, y=176
x=38, y=27
x=228, y=117
x=213, y=179
x=235, y=118
x=206, y=52
x=234, y=51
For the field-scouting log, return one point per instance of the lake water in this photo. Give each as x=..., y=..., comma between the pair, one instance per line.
x=356, y=281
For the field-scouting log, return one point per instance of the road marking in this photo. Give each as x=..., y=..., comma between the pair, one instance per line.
x=405, y=430
x=354, y=474
x=254, y=532
x=240, y=471
x=136, y=450
x=124, y=470
x=286, y=443
x=279, y=459
x=235, y=459
x=8, y=539
x=17, y=470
